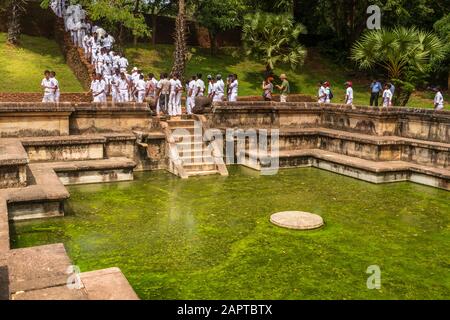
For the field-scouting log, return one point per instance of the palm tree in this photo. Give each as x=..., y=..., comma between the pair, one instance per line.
x=273, y=39
x=402, y=52
x=14, y=9
x=180, y=54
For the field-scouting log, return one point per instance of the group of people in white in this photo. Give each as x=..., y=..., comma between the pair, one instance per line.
x=50, y=85
x=111, y=76
x=325, y=94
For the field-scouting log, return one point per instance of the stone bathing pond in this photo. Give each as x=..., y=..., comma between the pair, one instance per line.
x=210, y=237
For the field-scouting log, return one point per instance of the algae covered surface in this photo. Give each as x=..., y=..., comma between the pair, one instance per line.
x=210, y=237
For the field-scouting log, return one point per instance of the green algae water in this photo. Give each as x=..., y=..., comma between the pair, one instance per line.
x=210, y=237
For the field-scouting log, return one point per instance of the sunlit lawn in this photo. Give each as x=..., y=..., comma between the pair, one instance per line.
x=22, y=67
x=159, y=59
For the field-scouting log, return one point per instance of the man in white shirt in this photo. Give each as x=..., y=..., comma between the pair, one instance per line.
x=98, y=89
x=192, y=93
x=87, y=45
x=124, y=88
x=140, y=88
x=218, y=89
x=387, y=96
x=234, y=88
x=322, y=95
x=57, y=91
x=210, y=85
x=114, y=86
x=175, y=96
x=349, y=93
x=438, y=100
x=123, y=64
x=49, y=88
x=200, y=86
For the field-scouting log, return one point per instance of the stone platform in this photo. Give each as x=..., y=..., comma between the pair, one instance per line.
x=41, y=273
x=297, y=220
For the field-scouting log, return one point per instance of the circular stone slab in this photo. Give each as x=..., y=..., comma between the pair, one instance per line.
x=297, y=220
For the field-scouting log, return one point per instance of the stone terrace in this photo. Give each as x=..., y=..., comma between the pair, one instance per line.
x=44, y=147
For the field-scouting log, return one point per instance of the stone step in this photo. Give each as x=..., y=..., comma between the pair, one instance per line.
x=202, y=173
x=64, y=148
x=189, y=137
x=368, y=170
x=180, y=123
x=184, y=130
x=196, y=158
x=200, y=167
x=42, y=273
x=13, y=163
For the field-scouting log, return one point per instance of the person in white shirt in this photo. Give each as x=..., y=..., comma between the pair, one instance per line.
x=57, y=91
x=327, y=92
x=438, y=100
x=387, y=96
x=192, y=93
x=172, y=96
x=123, y=64
x=140, y=87
x=124, y=88
x=49, y=88
x=200, y=86
x=108, y=42
x=218, y=89
x=188, y=97
x=175, y=93
x=114, y=86
x=322, y=95
x=210, y=85
x=98, y=89
x=349, y=93
x=234, y=88
x=87, y=45
x=151, y=86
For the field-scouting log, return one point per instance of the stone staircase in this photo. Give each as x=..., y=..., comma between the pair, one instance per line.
x=189, y=153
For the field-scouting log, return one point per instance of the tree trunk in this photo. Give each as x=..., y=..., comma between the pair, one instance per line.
x=14, y=31
x=180, y=53
x=213, y=42
x=448, y=81
x=154, y=26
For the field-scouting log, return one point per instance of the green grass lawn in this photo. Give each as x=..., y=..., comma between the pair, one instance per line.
x=22, y=67
x=158, y=59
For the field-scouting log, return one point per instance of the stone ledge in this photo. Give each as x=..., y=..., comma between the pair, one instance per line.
x=4, y=226
x=110, y=107
x=368, y=165
x=11, y=107
x=37, y=267
x=227, y=107
x=12, y=152
x=63, y=140
x=117, y=136
x=107, y=284
x=360, y=137
x=88, y=165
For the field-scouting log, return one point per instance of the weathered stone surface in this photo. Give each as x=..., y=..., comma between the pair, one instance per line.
x=367, y=170
x=107, y=284
x=4, y=227
x=67, y=148
x=51, y=293
x=297, y=220
x=37, y=268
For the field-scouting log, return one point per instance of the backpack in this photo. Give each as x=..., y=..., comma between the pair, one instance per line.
x=331, y=96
